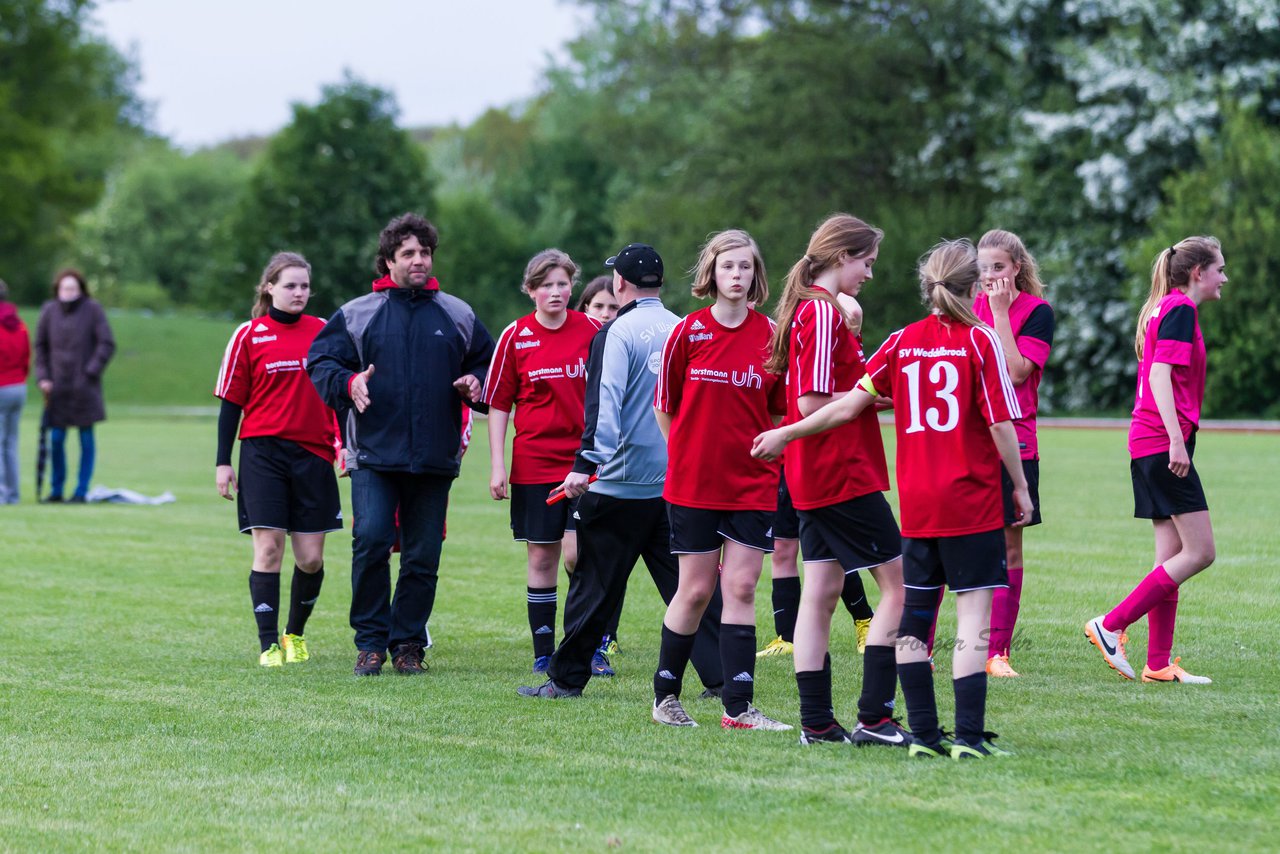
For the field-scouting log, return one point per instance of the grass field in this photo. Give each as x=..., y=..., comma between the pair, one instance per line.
x=134, y=715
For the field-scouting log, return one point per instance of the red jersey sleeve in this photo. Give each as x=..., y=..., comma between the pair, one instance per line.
x=503, y=380
x=815, y=342
x=878, y=380
x=670, y=387
x=994, y=386
x=235, y=376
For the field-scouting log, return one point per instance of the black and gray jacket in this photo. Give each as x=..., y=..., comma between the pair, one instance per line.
x=419, y=341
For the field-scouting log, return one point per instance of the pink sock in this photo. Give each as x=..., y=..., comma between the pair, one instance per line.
x=1160, y=621
x=933, y=630
x=1152, y=590
x=1004, y=613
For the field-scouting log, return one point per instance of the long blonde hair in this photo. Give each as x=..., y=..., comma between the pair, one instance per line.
x=1172, y=270
x=948, y=275
x=840, y=232
x=1028, y=278
x=279, y=262
x=704, y=271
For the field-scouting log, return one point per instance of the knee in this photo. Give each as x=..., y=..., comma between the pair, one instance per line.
x=1206, y=556
x=269, y=553
x=310, y=565
x=696, y=594
x=741, y=590
x=919, y=609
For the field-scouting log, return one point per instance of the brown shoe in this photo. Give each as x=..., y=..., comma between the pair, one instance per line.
x=406, y=658
x=369, y=662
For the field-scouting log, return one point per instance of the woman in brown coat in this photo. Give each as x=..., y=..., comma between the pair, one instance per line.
x=73, y=345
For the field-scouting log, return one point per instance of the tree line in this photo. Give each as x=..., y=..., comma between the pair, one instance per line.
x=1099, y=131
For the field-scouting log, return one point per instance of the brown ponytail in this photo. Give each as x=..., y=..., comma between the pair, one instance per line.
x=1172, y=270
x=948, y=275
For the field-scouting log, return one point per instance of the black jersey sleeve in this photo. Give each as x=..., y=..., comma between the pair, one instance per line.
x=228, y=423
x=1178, y=325
x=1039, y=324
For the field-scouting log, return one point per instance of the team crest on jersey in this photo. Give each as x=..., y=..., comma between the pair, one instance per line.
x=526, y=331
x=655, y=362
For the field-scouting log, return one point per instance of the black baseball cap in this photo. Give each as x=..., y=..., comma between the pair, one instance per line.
x=638, y=263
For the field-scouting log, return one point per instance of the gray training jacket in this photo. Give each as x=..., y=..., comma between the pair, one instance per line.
x=621, y=442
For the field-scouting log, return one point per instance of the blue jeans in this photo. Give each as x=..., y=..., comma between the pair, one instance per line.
x=12, y=398
x=380, y=622
x=58, y=456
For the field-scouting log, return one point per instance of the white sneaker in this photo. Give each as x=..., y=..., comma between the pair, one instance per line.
x=1110, y=644
x=670, y=712
x=753, y=718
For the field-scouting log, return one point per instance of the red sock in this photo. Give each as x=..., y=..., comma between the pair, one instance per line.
x=933, y=629
x=1160, y=621
x=1004, y=613
x=1152, y=590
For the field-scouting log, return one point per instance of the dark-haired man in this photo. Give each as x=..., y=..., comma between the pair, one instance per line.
x=401, y=362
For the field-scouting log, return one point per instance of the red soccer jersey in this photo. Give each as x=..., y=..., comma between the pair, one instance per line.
x=542, y=373
x=1173, y=337
x=714, y=385
x=1031, y=319
x=949, y=382
x=846, y=462
x=264, y=371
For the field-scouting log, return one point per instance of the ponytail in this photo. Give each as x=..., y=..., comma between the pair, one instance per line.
x=948, y=275
x=1172, y=271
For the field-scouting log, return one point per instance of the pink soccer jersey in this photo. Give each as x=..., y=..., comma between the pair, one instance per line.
x=542, y=373
x=1173, y=337
x=846, y=462
x=1032, y=321
x=949, y=383
x=714, y=385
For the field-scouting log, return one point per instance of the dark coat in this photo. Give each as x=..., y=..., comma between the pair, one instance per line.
x=73, y=345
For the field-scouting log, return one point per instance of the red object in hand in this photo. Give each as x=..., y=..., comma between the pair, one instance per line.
x=557, y=494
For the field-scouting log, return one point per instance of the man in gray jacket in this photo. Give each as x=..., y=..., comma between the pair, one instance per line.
x=622, y=516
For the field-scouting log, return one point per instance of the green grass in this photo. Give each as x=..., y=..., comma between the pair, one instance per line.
x=134, y=716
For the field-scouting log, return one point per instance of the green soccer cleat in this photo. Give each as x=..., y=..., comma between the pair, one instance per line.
x=272, y=656
x=984, y=749
x=295, y=649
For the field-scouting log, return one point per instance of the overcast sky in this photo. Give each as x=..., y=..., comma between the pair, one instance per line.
x=216, y=69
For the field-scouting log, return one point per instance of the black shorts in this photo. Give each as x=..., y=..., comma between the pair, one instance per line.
x=698, y=531
x=859, y=533
x=1031, y=471
x=966, y=562
x=535, y=521
x=786, y=524
x=286, y=487
x=1159, y=493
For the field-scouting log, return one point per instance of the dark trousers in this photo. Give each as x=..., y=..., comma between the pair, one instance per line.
x=613, y=533
x=380, y=622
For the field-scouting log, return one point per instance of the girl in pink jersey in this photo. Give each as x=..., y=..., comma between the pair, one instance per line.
x=1012, y=304
x=837, y=483
x=539, y=370
x=288, y=441
x=953, y=407
x=1162, y=441
x=712, y=396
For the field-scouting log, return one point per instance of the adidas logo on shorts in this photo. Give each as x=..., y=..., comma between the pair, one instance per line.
x=263, y=608
x=744, y=676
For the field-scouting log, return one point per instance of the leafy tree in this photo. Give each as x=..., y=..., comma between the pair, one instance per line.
x=1232, y=196
x=67, y=103
x=325, y=187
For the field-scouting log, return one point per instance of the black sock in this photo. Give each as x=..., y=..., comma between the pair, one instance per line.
x=264, y=594
x=922, y=708
x=879, y=684
x=854, y=596
x=786, y=604
x=816, y=708
x=542, y=620
x=303, y=594
x=738, y=658
x=673, y=657
x=971, y=707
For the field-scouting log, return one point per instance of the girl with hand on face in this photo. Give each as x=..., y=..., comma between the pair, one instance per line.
x=539, y=370
x=288, y=444
x=1162, y=443
x=713, y=395
x=837, y=483
x=1012, y=303
x=953, y=408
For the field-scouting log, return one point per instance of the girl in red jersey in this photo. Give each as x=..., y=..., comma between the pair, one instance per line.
x=837, y=483
x=712, y=396
x=539, y=368
x=953, y=408
x=1162, y=441
x=1012, y=304
x=287, y=447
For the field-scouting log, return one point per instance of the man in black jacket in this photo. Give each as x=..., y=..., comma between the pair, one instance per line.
x=400, y=362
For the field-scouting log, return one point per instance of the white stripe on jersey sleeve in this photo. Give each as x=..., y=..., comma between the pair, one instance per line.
x=1002, y=365
x=824, y=344
x=662, y=391
x=503, y=351
x=227, y=369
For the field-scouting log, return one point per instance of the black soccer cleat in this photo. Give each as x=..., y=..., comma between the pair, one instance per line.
x=832, y=734
x=548, y=690
x=887, y=733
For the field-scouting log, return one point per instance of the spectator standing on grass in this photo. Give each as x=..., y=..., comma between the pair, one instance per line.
x=73, y=346
x=287, y=440
x=622, y=515
x=401, y=361
x=15, y=364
